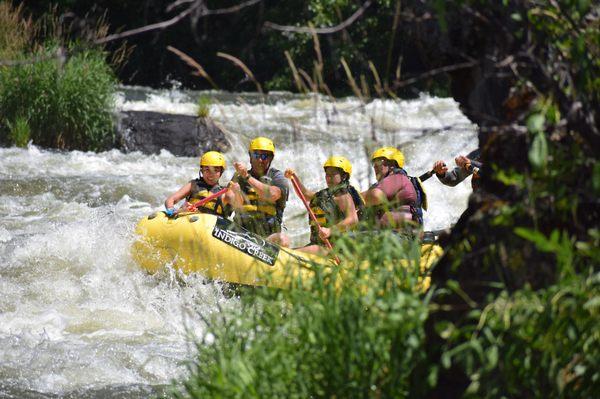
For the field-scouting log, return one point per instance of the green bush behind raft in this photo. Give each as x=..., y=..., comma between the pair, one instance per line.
x=55, y=95
x=66, y=106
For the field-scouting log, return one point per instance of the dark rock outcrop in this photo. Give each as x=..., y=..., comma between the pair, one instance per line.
x=181, y=135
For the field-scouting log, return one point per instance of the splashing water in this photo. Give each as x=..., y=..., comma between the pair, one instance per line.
x=78, y=317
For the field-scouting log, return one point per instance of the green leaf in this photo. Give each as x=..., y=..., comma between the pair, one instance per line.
x=538, y=153
x=492, y=357
x=536, y=237
x=592, y=304
x=596, y=178
x=535, y=122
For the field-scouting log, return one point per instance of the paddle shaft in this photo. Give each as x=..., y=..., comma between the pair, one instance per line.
x=426, y=175
x=207, y=199
x=310, y=212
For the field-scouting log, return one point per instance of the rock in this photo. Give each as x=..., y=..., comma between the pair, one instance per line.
x=181, y=135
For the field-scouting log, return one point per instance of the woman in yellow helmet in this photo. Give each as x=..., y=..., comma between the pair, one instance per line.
x=212, y=165
x=396, y=197
x=336, y=207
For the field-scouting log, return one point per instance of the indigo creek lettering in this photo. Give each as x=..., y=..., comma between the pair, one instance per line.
x=243, y=244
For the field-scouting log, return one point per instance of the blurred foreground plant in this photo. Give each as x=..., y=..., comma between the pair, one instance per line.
x=354, y=333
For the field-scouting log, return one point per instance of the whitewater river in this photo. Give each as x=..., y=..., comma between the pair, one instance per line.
x=78, y=318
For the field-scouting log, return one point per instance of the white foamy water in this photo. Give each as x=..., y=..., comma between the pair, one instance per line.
x=77, y=314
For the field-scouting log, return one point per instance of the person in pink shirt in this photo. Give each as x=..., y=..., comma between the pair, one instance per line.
x=394, y=199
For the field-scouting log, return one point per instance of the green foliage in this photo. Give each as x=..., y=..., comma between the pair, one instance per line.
x=19, y=132
x=357, y=332
x=67, y=105
x=536, y=344
x=203, y=107
x=15, y=32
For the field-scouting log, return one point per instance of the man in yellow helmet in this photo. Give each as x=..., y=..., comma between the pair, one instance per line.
x=396, y=197
x=212, y=165
x=336, y=207
x=264, y=192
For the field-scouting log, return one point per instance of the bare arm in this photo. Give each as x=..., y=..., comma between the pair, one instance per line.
x=264, y=191
x=178, y=195
x=346, y=204
x=233, y=196
x=308, y=194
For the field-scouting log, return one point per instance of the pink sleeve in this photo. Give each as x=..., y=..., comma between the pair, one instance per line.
x=398, y=188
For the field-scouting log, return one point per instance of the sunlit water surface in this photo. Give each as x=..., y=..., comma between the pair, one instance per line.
x=78, y=318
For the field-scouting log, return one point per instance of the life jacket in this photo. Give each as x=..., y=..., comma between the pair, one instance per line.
x=327, y=211
x=260, y=217
x=201, y=190
x=421, y=202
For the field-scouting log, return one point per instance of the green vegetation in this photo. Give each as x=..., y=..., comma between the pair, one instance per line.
x=19, y=132
x=66, y=99
x=353, y=334
x=515, y=302
x=203, y=107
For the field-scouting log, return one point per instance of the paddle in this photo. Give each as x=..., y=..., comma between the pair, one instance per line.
x=426, y=175
x=311, y=214
x=195, y=206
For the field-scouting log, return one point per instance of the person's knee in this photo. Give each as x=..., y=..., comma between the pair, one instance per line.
x=280, y=239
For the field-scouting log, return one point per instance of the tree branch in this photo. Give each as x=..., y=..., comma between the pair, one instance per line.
x=196, y=5
x=320, y=31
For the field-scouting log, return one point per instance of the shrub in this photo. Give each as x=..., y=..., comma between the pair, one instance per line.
x=535, y=343
x=356, y=333
x=68, y=106
x=19, y=132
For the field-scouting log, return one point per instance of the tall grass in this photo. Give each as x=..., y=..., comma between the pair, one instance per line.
x=357, y=332
x=19, y=131
x=16, y=32
x=64, y=92
x=68, y=106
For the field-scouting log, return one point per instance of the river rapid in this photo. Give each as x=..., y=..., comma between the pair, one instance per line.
x=78, y=318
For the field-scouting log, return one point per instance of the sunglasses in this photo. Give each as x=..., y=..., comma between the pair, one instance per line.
x=379, y=162
x=262, y=157
x=211, y=169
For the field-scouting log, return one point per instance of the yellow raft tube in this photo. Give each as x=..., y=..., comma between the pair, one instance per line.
x=219, y=249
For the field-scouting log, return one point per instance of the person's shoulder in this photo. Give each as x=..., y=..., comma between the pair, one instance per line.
x=275, y=173
x=277, y=176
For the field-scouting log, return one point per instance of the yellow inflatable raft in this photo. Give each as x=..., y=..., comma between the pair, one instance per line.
x=221, y=250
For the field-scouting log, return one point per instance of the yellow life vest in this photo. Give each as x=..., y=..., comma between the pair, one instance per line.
x=201, y=190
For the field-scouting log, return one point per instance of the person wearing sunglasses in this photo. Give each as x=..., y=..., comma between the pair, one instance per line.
x=212, y=165
x=396, y=197
x=264, y=192
x=336, y=207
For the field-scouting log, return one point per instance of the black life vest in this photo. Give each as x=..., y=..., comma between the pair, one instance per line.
x=201, y=190
x=327, y=211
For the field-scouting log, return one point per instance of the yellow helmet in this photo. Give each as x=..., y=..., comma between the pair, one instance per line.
x=389, y=153
x=339, y=162
x=213, y=158
x=399, y=158
x=262, y=143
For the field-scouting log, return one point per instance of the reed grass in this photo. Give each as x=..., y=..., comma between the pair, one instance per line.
x=68, y=106
x=19, y=131
x=356, y=332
